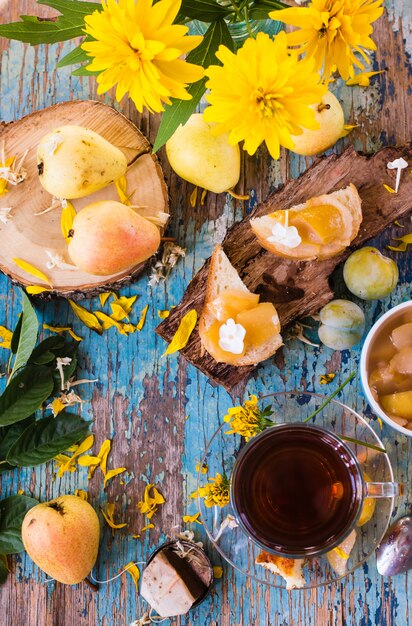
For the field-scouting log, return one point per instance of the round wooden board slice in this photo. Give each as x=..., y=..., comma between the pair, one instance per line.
x=28, y=236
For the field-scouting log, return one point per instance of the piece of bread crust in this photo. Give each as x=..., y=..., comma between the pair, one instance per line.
x=223, y=277
x=289, y=569
x=347, y=200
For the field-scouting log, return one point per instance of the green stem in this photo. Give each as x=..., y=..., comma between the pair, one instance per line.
x=362, y=443
x=335, y=393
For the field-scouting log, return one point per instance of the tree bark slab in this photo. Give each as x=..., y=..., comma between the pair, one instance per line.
x=297, y=288
x=27, y=236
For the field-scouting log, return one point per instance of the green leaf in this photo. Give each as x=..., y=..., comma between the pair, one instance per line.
x=4, y=568
x=43, y=439
x=261, y=9
x=204, y=10
x=204, y=55
x=69, y=24
x=28, y=335
x=72, y=7
x=78, y=55
x=12, y=513
x=46, y=351
x=10, y=434
x=27, y=391
x=16, y=336
x=83, y=71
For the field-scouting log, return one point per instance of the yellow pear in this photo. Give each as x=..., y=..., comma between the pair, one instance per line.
x=108, y=237
x=74, y=162
x=62, y=538
x=202, y=158
x=329, y=115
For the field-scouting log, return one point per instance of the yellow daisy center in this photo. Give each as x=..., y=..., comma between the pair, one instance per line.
x=267, y=103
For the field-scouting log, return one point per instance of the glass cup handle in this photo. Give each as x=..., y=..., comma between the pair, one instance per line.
x=384, y=490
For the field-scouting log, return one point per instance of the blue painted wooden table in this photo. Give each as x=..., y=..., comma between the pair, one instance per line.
x=160, y=412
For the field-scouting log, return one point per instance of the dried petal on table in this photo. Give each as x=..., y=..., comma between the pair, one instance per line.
x=182, y=334
x=62, y=329
x=32, y=269
x=152, y=498
x=109, y=517
x=5, y=337
x=89, y=319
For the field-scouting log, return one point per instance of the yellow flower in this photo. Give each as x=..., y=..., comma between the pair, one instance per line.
x=333, y=32
x=248, y=420
x=137, y=47
x=262, y=93
x=215, y=492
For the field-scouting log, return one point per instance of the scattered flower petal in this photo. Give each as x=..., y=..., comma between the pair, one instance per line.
x=228, y=522
x=60, y=363
x=191, y=519
x=5, y=215
x=109, y=517
x=142, y=319
x=134, y=572
x=363, y=78
x=162, y=268
x=163, y=314
x=5, y=337
x=35, y=290
x=193, y=197
x=324, y=379
x=103, y=297
x=89, y=319
x=217, y=571
x=182, y=334
x=66, y=220
x=56, y=260
x=62, y=329
x=203, y=469
x=31, y=269
x=112, y=473
x=151, y=500
x=406, y=240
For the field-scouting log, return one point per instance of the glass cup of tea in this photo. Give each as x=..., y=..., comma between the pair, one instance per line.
x=298, y=490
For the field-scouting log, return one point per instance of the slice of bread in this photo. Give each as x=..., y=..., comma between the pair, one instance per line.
x=348, y=202
x=223, y=277
x=289, y=569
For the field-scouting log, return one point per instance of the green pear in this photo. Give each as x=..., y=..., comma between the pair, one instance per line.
x=329, y=115
x=62, y=538
x=202, y=158
x=108, y=237
x=74, y=162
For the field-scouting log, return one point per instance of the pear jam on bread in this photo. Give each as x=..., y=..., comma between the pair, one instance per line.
x=234, y=327
x=320, y=228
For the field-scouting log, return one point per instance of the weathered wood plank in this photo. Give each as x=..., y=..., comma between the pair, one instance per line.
x=138, y=391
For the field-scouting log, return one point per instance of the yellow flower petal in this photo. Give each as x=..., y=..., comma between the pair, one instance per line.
x=147, y=527
x=5, y=337
x=103, y=297
x=217, y=571
x=388, y=188
x=341, y=553
x=142, y=320
x=66, y=220
x=406, y=240
x=109, y=517
x=324, y=379
x=34, y=290
x=112, y=473
x=191, y=519
x=163, y=314
x=182, y=335
x=57, y=406
x=151, y=499
x=89, y=319
x=31, y=269
x=88, y=460
x=62, y=329
x=134, y=572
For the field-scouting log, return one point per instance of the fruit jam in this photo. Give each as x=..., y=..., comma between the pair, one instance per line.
x=296, y=490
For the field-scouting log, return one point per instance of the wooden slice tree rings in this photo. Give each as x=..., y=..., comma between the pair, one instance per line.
x=28, y=236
